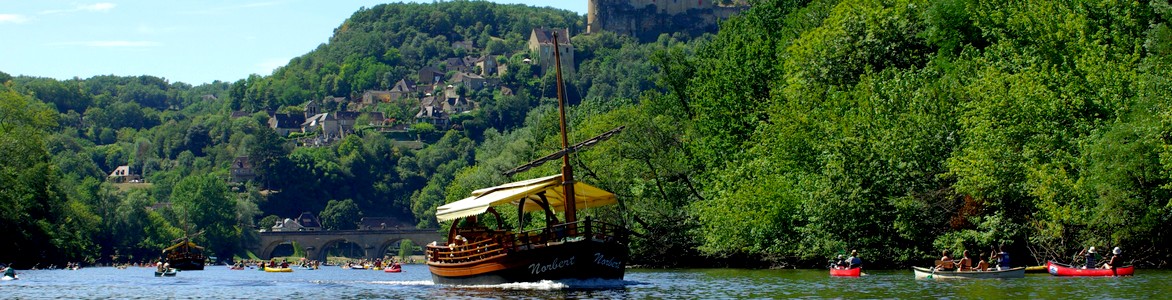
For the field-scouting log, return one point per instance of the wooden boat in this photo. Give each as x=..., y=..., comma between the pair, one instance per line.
x=1058, y=269
x=565, y=249
x=168, y=273
x=932, y=273
x=852, y=272
x=185, y=255
x=278, y=269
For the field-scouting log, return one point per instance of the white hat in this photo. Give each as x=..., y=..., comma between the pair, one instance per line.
x=1116, y=250
x=1092, y=250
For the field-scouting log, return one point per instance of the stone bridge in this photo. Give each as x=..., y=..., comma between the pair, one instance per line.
x=374, y=243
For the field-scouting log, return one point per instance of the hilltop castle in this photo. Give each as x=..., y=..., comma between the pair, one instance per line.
x=646, y=19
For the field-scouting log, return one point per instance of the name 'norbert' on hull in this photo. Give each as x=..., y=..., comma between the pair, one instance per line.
x=562, y=249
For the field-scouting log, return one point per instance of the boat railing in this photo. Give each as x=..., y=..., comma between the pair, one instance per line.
x=487, y=244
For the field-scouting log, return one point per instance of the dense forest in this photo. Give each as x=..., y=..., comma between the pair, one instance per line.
x=800, y=130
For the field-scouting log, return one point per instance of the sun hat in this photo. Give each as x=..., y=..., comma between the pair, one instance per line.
x=1116, y=250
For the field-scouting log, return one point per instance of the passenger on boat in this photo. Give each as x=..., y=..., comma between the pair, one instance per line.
x=1116, y=259
x=854, y=260
x=9, y=272
x=159, y=267
x=945, y=262
x=1002, y=259
x=838, y=262
x=1089, y=255
x=965, y=263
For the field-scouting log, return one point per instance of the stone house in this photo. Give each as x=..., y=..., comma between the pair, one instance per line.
x=372, y=97
x=541, y=44
x=487, y=65
x=241, y=170
x=284, y=124
x=122, y=174
x=404, y=89
x=430, y=75
x=471, y=81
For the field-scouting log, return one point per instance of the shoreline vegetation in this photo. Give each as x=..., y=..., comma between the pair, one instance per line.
x=801, y=130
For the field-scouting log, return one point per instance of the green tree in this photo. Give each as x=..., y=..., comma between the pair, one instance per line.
x=203, y=203
x=340, y=215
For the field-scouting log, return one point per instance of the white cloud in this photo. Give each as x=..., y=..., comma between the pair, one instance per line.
x=113, y=44
x=12, y=18
x=147, y=29
x=96, y=7
x=224, y=9
x=104, y=6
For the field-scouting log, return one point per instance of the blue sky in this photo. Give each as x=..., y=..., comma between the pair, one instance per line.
x=182, y=40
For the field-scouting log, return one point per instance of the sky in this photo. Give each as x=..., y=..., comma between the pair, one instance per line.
x=191, y=41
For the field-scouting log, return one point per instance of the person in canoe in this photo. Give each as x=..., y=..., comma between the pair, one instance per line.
x=965, y=263
x=945, y=263
x=1090, y=256
x=1002, y=258
x=11, y=273
x=1116, y=260
x=854, y=261
x=838, y=262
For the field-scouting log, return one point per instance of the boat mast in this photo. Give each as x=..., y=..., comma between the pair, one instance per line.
x=571, y=208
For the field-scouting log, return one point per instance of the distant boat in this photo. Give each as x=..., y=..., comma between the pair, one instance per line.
x=395, y=268
x=851, y=272
x=168, y=273
x=278, y=269
x=932, y=273
x=185, y=255
x=1058, y=269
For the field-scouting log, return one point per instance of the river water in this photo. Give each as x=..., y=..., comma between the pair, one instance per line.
x=218, y=282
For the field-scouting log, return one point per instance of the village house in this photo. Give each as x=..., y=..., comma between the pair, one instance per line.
x=456, y=64
x=432, y=111
x=430, y=75
x=471, y=81
x=372, y=97
x=241, y=170
x=404, y=89
x=487, y=65
x=541, y=44
x=284, y=124
x=122, y=174
x=306, y=222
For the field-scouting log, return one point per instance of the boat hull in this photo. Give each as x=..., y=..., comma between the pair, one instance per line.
x=187, y=264
x=278, y=270
x=928, y=273
x=165, y=274
x=1058, y=269
x=852, y=272
x=586, y=259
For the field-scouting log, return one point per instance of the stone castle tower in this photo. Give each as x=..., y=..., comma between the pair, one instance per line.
x=649, y=18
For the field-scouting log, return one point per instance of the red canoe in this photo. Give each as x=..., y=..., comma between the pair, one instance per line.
x=854, y=272
x=393, y=269
x=1058, y=269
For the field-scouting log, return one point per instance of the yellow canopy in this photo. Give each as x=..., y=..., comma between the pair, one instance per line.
x=585, y=196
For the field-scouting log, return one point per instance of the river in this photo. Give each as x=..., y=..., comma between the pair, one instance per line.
x=415, y=283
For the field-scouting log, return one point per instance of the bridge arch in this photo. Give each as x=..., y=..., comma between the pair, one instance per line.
x=321, y=253
x=373, y=242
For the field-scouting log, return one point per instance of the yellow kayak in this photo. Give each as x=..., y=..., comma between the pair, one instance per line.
x=1036, y=269
x=268, y=269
